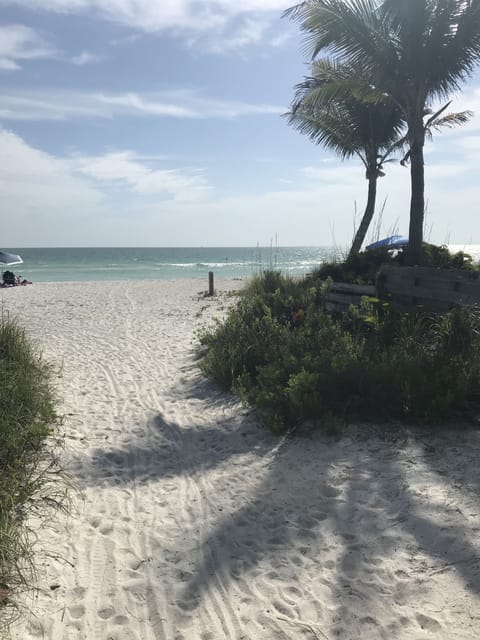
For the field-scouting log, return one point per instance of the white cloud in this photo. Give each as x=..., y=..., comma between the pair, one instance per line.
x=33, y=178
x=17, y=43
x=210, y=20
x=469, y=99
x=336, y=173
x=60, y=201
x=280, y=39
x=21, y=164
x=155, y=15
x=148, y=105
x=39, y=191
x=470, y=144
x=62, y=105
x=123, y=198
x=126, y=169
x=249, y=32
x=85, y=57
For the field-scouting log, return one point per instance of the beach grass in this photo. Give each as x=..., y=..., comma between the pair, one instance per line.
x=30, y=468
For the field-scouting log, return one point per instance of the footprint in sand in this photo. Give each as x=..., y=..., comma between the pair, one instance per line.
x=106, y=613
x=35, y=628
x=331, y=492
x=405, y=622
x=430, y=624
x=294, y=592
x=106, y=529
x=399, y=573
x=76, y=611
x=306, y=535
x=297, y=560
x=349, y=537
x=281, y=608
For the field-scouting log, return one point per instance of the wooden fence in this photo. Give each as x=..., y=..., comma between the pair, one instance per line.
x=430, y=288
x=408, y=287
x=341, y=295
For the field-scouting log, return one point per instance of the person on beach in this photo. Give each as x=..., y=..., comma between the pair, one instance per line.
x=9, y=279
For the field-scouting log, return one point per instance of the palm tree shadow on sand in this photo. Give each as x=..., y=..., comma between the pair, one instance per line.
x=376, y=519
x=328, y=517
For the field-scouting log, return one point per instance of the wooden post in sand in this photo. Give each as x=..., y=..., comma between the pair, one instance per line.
x=210, y=283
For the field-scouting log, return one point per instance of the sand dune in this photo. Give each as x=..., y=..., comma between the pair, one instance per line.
x=191, y=522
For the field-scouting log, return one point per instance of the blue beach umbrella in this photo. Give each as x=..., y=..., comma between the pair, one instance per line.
x=9, y=258
x=392, y=242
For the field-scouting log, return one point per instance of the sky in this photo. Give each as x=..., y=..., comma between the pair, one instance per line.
x=161, y=123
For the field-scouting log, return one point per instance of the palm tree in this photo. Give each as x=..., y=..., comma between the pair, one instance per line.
x=413, y=52
x=348, y=126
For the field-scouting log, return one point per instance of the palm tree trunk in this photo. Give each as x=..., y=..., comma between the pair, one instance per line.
x=417, y=202
x=367, y=216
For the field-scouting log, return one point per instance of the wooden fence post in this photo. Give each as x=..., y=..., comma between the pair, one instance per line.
x=210, y=283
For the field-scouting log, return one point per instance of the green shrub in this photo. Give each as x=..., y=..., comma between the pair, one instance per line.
x=362, y=268
x=27, y=419
x=441, y=257
x=267, y=310
x=357, y=269
x=280, y=351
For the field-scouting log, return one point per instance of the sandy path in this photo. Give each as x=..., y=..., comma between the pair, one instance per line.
x=196, y=524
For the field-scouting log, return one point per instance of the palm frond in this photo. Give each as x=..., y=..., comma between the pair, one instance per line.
x=437, y=114
x=412, y=50
x=332, y=132
x=338, y=109
x=452, y=120
x=346, y=29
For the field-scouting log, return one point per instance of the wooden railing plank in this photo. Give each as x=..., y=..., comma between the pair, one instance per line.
x=359, y=289
x=343, y=298
x=428, y=286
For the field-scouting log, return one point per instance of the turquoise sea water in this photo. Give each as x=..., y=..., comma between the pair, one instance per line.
x=84, y=265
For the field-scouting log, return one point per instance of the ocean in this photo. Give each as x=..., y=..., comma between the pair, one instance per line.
x=169, y=263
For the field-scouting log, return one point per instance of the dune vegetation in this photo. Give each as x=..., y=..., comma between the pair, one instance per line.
x=30, y=472
x=281, y=351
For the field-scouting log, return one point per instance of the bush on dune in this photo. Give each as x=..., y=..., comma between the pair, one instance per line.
x=362, y=268
x=28, y=468
x=283, y=353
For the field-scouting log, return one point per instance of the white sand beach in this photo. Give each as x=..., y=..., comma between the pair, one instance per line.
x=192, y=522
